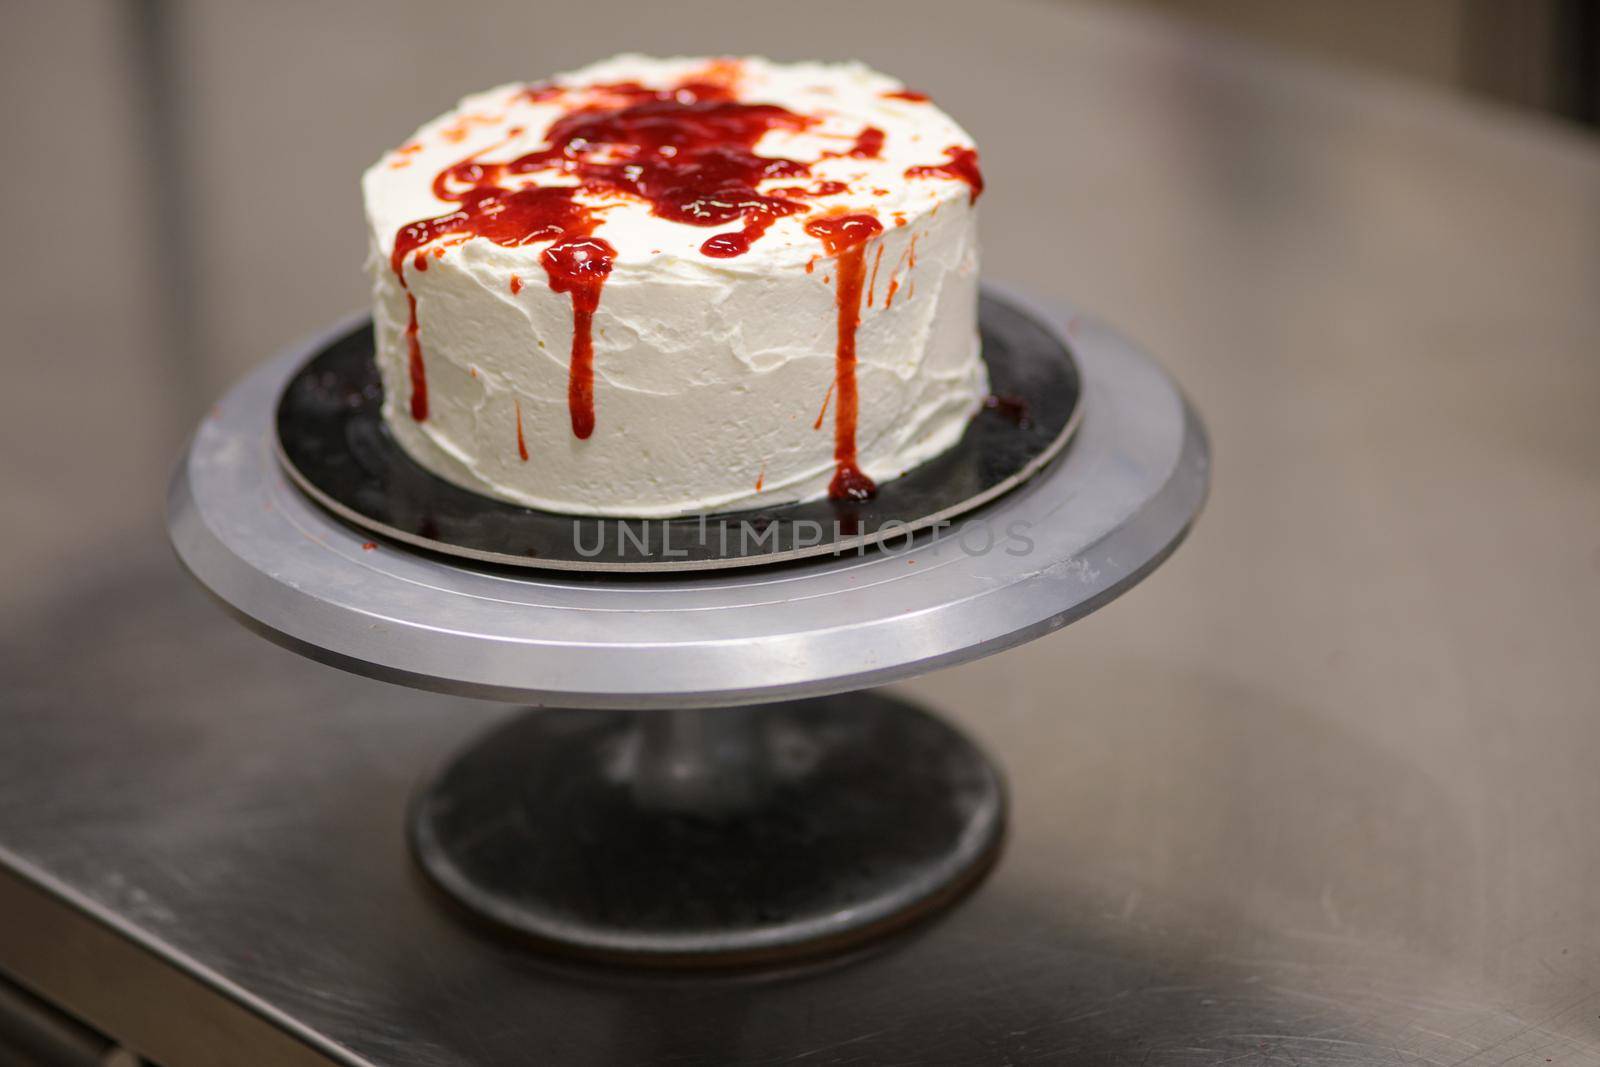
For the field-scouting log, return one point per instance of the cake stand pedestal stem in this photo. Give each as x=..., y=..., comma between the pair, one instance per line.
x=712, y=763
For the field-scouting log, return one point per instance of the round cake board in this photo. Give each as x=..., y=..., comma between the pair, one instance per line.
x=333, y=442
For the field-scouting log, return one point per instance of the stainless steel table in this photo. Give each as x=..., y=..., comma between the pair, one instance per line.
x=1323, y=793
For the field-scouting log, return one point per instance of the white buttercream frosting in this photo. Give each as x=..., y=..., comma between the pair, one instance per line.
x=709, y=373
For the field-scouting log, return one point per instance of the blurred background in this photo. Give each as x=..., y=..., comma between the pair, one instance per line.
x=182, y=197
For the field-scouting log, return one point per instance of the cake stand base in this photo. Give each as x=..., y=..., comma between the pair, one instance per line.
x=712, y=836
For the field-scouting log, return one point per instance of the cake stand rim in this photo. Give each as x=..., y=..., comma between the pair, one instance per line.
x=302, y=592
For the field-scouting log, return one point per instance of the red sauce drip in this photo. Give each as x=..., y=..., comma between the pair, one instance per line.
x=405, y=152
x=1012, y=407
x=908, y=94
x=869, y=144
x=687, y=151
x=512, y=217
x=540, y=92
x=822, y=412
x=728, y=245
x=516, y=284
x=579, y=265
x=419, y=375
x=522, y=445
x=845, y=237
x=962, y=165
x=369, y=546
x=829, y=188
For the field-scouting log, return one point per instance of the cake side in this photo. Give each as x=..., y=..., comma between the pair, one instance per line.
x=628, y=291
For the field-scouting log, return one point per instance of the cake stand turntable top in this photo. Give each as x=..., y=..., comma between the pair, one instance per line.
x=1076, y=535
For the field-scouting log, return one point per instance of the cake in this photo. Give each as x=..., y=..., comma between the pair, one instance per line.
x=658, y=287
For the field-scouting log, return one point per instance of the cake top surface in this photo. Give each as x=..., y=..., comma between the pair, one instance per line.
x=636, y=160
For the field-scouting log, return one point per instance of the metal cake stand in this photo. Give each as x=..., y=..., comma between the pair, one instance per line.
x=704, y=784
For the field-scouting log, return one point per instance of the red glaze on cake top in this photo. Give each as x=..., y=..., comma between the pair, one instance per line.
x=689, y=151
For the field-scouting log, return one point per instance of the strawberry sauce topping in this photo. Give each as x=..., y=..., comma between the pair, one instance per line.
x=962, y=165
x=845, y=237
x=689, y=153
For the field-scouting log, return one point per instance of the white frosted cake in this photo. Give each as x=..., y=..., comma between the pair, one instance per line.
x=664, y=286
